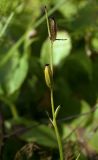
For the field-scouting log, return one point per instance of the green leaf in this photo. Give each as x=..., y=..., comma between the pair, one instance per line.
x=61, y=49
x=7, y=6
x=35, y=132
x=68, y=9
x=78, y=59
x=13, y=73
x=94, y=141
x=18, y=75
x=83, y=120
x=57, y=111
x=94, y=42
x=4, y=27
x=66, y=132
x=41, y=134
x=85, y=19
x=71, y=7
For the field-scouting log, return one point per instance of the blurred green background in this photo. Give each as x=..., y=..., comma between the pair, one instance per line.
x=25, y=130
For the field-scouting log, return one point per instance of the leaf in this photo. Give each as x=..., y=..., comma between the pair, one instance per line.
x=96, y=113
x=83, y=120
x=18, y=75
x=4, y=6
x=94, y=42
x=57, y=111
x=61, y=49
x=7, y=6
x=13, y=73
x=79, y=65
x=68, y=9
x=94, y=141
x=71, y=7
x=85, y=19
x=92, y=130
x=32, y=131
x=41, y=134
x=3, y=28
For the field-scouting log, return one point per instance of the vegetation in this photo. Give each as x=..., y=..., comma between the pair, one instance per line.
x=28, y=126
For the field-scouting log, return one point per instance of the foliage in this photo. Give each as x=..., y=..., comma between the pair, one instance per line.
x=24, y=97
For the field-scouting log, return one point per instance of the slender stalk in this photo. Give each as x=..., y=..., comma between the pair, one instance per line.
x=51, y=57
x=56, y=128
x=78, y=156
x=51, y=88
x=53, y=110
x=3, y=29
x=46, y=14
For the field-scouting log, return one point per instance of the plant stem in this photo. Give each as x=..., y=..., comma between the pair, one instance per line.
x=78, y=156
x=51, y=90
x=3, y=29
x=51, y=57
x=53, y=110
x=56, y=128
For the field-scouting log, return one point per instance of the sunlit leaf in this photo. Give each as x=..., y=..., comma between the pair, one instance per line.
x=13, y=73
x=61, y=49
x=94, y=42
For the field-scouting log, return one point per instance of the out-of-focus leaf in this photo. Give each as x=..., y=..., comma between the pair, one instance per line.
x=86, y=19
x=93, y=141
x=81, y=59
x=81, y=16
x=35, y=132
x=95, y=75
x=66, y=131
x=40, y=134
x=96, y=113
x=83, y=120
x=4, y=27
x=91, y=131
x=18, y=75
x=61, y=49
x=94, y=42
x=70, y=7
x=4, y=6
x=7, y=6
x=1, y=132
x=78, y=71
x=13, y=73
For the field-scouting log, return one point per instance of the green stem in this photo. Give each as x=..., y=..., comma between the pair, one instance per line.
x=78, y=156
x=3, y=29
x=53, y=110
x=51, y=57
x=46, y=13
x=56, y=128
x=51, y=90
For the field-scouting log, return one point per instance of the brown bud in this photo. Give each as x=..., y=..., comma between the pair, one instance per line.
x=53, y=29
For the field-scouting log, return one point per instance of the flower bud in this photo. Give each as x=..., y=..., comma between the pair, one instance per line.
x=53, y=29
x=48, y=75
